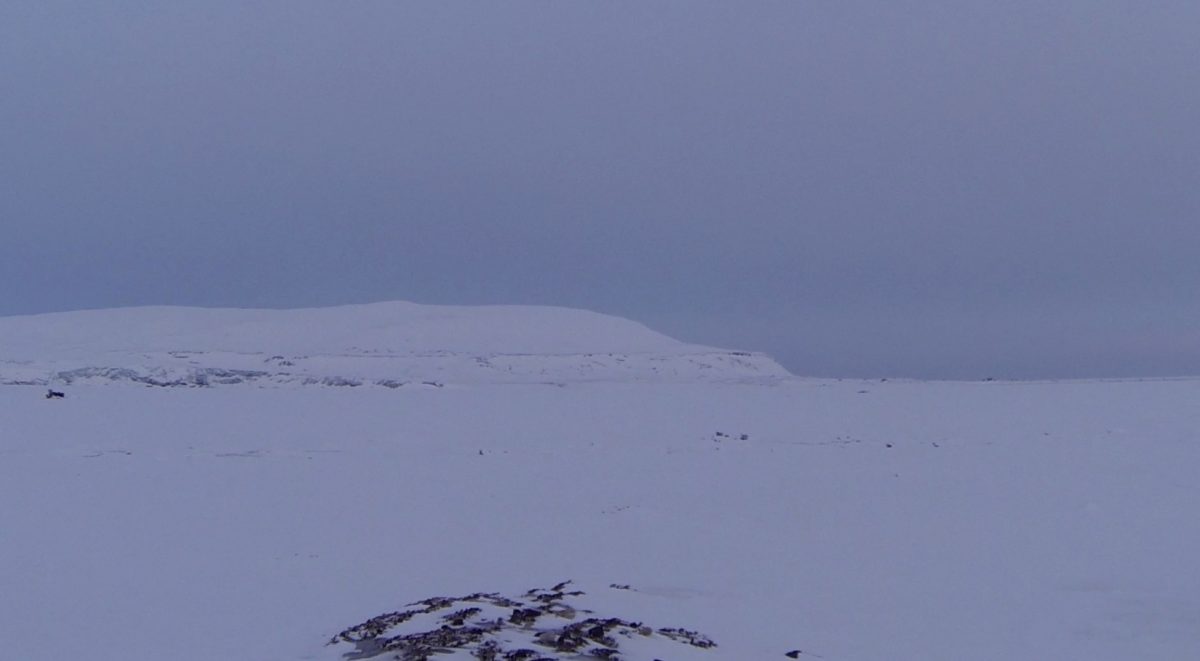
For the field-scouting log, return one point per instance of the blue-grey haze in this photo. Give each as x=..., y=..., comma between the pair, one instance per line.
x=942, y=188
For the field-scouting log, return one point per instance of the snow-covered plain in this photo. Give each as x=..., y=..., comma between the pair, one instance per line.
x=847, y=520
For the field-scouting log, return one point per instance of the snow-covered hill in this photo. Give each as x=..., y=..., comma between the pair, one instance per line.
x=391, y=345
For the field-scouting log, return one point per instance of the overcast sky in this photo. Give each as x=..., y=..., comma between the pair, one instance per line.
x=936, y=189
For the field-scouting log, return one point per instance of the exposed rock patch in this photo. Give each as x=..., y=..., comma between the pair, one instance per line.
x=540, y=625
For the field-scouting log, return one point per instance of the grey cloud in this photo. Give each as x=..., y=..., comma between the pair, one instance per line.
x=934, y=189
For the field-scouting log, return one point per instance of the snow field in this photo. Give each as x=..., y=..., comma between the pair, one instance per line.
x=856, y=521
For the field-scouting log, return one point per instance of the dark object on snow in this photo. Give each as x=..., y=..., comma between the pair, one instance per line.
x=794, y=654
x=538, y=626
x=54, y=394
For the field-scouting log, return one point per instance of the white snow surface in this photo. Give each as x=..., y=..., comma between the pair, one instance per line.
x=391, y=344
x=391, y=326
x=846, y=520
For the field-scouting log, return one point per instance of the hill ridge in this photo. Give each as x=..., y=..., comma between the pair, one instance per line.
x=389, y=344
